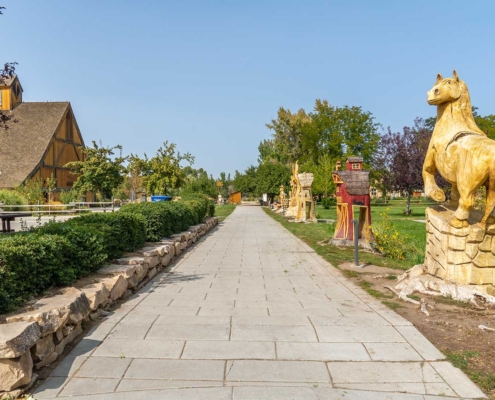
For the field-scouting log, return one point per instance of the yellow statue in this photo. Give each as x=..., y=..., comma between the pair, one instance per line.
x=459, y=151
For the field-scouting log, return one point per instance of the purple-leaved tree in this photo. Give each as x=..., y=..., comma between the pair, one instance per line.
x=401, y=156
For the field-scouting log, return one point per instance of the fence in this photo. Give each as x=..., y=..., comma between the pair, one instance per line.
x=53, y=209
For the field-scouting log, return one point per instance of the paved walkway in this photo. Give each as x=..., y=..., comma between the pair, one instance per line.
x=251, y=312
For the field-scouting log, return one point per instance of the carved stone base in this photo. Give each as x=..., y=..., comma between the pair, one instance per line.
x=465, y=256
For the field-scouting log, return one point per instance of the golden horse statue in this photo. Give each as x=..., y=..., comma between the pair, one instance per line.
x=459, y=151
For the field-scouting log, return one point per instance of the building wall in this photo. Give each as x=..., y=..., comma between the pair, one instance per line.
x=63, y=148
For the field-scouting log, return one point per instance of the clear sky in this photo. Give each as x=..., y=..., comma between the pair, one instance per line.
x=208, y=75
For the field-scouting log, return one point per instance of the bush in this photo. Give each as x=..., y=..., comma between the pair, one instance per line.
x=12, y=197
x=68, y=196
x=87, y=250
x=29, y=265
x=388, y=241
x=122, y=232
x=166, y=218
x=327, y=202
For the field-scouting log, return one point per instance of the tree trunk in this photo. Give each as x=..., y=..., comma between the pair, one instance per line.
x=408, y=205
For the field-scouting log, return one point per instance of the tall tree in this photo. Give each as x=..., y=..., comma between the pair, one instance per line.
x=270, y=176
x=340, y=132
x=323, y=184
x=100, y=172
x=246, y=182
x=402, y=155
x=287, y=134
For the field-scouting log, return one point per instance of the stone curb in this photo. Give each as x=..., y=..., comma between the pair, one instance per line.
x=36, y=338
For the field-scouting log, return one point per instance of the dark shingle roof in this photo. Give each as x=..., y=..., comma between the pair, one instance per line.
x=356, y=182
x=22, y=145
x=354, y=159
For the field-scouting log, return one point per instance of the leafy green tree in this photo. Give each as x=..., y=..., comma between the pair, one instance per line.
x=323, y=183
x=246, y=183
x=270, y=176
x=163, y=172
x=486, y=124
x=198, y=181
x=340, y=132
x=288, y=131
x=100, y=172
x=267, y=152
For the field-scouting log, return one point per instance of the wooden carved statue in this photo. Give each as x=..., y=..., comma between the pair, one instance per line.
x=459, y=151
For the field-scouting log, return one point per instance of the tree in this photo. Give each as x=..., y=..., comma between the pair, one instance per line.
x=99, y=172
x=198, y=181
x=340, y=132
x=287, y=134
x=270, y=176
x=162, y=173
x=323, y=184
x=267, y=151
x=486, y=124
x=246, y=183
x=402, y=156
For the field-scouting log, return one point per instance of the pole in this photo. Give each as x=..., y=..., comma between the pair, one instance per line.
x=355, y=222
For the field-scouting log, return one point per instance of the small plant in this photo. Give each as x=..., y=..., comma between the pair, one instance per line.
x=392, y=277
x=388, y=241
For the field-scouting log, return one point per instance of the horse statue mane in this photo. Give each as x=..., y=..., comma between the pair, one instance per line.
x=460, y=151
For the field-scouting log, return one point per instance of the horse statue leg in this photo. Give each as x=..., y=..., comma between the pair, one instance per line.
x=454, y=197
x=431, y=188
x=489, y=217
x=466, y=203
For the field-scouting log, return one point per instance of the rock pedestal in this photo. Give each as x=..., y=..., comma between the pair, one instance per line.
x=465, y=256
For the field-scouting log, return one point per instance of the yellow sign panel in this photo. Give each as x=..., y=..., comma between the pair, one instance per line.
x=219, y=184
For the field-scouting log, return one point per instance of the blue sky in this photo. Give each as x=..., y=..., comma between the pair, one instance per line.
x=208, y=75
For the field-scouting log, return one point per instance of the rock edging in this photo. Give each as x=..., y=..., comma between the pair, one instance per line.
x=36, y=338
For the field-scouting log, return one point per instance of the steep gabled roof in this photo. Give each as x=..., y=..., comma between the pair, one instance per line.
x=356, y=182
x=22, y=145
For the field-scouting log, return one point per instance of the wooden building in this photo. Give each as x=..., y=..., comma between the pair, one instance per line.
x=235, y=198
x=41, y=138
x=353, y=200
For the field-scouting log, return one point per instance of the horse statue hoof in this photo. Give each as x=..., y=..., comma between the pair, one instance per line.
x=457, y=223
x=438, y=195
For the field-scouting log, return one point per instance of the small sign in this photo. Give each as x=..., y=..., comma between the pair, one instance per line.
x=219, y=184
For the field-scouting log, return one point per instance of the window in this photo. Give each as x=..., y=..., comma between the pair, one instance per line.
x=356, y=166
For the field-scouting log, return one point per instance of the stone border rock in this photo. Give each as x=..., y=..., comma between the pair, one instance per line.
x=36, y=338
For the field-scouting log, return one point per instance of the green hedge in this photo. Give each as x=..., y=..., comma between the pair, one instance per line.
x=58, y=253
x=166, y=218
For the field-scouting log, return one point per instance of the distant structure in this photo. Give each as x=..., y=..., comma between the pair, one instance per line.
x=235, y=198
x=44, y=138
x=353, y=202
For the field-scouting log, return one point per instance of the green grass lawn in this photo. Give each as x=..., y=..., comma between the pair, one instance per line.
x=318, y=235
x=223, y=212
x=406, y=225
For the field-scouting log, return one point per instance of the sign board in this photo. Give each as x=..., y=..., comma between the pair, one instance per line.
x=265, y=197
x=219, y=184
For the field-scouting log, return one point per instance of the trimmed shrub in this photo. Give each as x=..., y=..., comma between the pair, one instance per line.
x=122, y=232
x=86, y=253
x=29, y=265
x=166, y=218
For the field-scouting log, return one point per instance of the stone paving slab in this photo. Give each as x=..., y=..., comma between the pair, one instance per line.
x=251, y=312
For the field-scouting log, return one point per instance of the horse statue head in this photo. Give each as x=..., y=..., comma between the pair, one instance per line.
x=446, y=90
